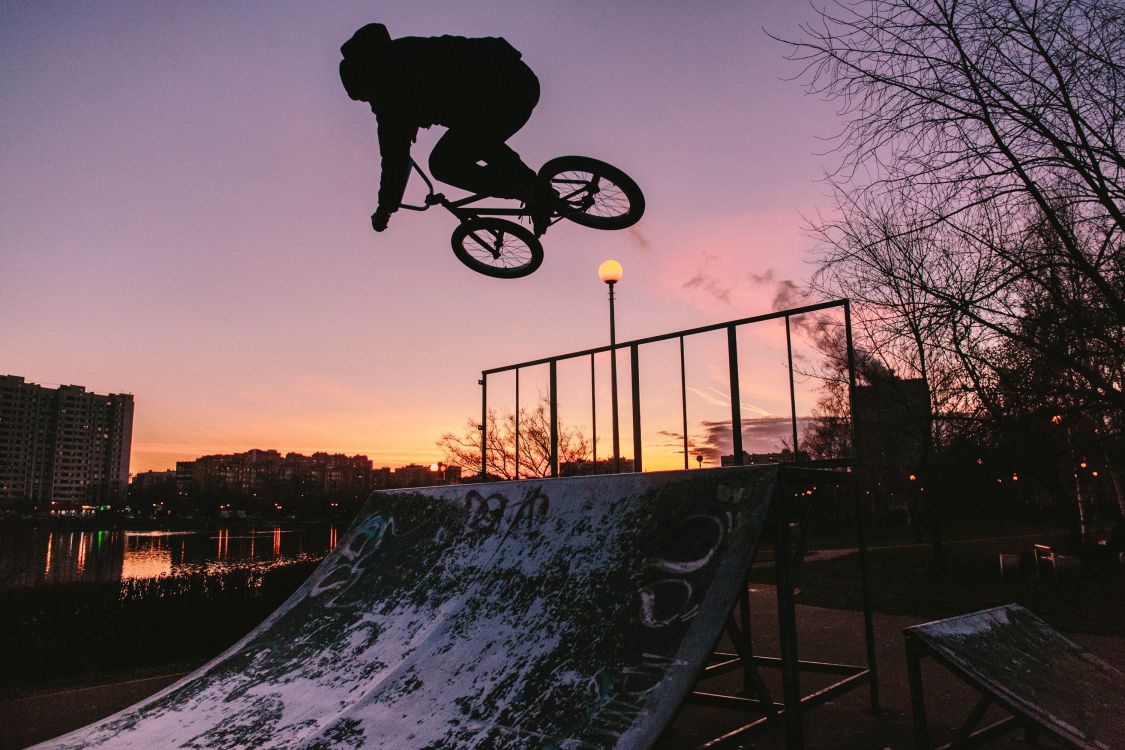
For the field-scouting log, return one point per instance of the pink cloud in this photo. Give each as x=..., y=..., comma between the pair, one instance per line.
x=732, y=265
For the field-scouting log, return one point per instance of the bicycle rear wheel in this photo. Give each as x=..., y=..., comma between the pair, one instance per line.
x=598, y=195
x=497, y=248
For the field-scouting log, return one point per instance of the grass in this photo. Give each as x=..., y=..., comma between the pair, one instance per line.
x=903, y=580
x=71, y=635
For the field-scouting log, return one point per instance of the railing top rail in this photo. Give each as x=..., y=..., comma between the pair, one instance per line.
x=676, y=334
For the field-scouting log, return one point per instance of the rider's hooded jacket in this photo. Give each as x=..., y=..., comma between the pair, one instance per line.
x=416, y=82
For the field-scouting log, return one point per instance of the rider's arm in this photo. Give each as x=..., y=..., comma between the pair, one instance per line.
x=395, y=137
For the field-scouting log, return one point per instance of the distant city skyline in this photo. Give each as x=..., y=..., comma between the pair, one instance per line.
x=186, y=193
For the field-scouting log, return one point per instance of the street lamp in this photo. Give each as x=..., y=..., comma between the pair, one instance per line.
x=610, y=272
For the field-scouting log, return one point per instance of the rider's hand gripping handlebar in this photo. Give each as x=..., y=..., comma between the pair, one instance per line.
x=379, y=220
x=431, y=199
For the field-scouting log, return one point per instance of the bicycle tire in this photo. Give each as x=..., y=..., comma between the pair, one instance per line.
x=497, y=248
x=600, y=195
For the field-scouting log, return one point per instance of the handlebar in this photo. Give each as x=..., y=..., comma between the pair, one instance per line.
x=432, y=198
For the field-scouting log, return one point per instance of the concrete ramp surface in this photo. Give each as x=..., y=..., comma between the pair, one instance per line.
x=565, y=614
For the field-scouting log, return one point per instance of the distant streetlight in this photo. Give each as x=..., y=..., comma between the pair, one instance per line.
x=610, y=272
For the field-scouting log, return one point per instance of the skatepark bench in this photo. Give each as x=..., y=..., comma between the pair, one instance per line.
x=1045, y=682
x=1042, y=555
x=1061, y=566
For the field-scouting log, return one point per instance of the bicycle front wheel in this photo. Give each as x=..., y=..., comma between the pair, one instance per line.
x=497, y=248
x=597, y=195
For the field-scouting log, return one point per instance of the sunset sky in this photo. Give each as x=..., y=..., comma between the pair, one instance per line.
x=185, y=199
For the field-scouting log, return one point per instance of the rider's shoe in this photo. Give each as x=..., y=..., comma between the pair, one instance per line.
x=542, y=207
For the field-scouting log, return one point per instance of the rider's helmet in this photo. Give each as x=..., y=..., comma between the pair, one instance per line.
x=357, y=69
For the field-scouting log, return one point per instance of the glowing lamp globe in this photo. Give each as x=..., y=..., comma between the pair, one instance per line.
x=610, y=271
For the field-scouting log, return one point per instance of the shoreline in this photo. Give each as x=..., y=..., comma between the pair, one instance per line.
x=183, y=525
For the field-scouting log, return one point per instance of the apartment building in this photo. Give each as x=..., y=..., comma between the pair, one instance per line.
x=62, y=445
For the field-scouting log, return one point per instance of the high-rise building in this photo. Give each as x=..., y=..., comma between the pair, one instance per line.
x=62, y=445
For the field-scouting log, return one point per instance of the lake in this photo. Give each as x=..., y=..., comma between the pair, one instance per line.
x=36, y=557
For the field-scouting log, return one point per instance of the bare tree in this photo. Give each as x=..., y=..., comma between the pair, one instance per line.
x=981, y=163
x=534, y=443
x=980, y=195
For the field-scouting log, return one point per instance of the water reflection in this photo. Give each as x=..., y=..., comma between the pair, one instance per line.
x=81, y=563
x=145, y=557
x=38, y=557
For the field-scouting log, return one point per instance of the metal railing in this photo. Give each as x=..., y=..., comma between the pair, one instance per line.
x=731, y=327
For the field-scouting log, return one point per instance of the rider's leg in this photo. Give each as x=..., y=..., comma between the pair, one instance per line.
x=457, y=156
x=455, y=159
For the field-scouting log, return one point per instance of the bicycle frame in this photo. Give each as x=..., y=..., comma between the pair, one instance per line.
x=461, y=208
x=567, y=187
x=465, y=211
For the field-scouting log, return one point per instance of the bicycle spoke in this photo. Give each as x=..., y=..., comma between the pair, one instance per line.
x=592, y=194
x=498, y=248
x=501, y=250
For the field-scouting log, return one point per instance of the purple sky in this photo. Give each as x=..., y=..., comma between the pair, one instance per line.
x=186, y=191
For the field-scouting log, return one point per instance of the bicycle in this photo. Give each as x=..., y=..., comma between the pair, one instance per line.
x=591, y=193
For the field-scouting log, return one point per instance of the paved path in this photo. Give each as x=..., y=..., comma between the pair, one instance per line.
x=824, y=634
x=844, y=723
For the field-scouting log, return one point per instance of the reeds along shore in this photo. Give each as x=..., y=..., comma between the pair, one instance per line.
x=61, y=631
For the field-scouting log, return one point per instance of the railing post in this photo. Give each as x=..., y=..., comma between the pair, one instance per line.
x=683, y=399
x=865, y=592
x=483, y=425
x=594, y=411
x=634, y=361
x=517, y=423
x=613, y=386
x=851, y=380
x=554, y=419
x=787, y=619
x=735, y=398
x=792, y=389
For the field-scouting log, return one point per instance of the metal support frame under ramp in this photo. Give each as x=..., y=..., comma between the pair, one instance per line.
x=753, y=698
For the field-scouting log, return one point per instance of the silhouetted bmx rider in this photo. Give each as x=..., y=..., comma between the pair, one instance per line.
x=479, y=89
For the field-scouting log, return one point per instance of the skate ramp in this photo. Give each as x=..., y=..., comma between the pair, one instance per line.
x=1034, y=672
x=565, y=614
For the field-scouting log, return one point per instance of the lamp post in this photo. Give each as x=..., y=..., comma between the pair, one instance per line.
x=610, y=272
